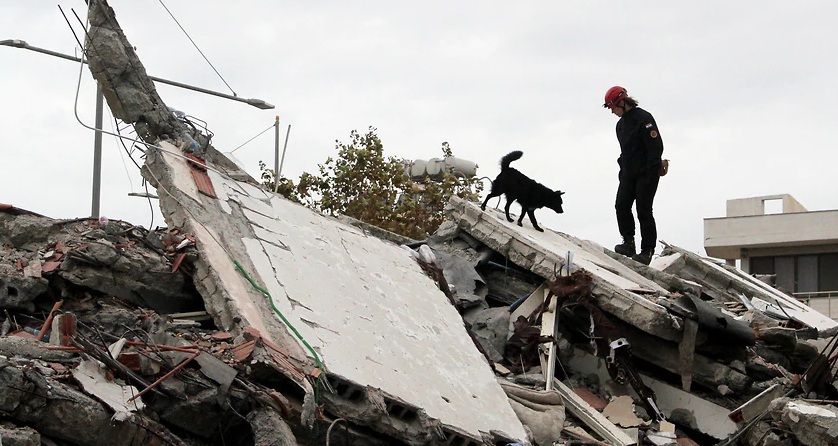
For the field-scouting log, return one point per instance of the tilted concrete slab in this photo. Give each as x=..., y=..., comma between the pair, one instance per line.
x=732, y=281
x=367, y=309
x=545, y=254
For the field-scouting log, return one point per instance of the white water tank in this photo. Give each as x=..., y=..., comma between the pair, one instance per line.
x=434, y=167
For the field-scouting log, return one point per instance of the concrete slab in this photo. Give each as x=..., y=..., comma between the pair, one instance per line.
x=367, y=309
x=545, y=253
x=684, y=263
x=585, y=254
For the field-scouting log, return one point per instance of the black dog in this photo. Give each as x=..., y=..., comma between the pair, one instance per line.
x=529, y=193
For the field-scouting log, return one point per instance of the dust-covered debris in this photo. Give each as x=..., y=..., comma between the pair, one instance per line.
x=102, y=327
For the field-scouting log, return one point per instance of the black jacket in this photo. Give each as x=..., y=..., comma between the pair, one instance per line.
x=641, y=146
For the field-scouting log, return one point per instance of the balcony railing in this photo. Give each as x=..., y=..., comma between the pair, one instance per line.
x=824, y=301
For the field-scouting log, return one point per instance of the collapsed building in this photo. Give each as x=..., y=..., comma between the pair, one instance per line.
x=252, y=320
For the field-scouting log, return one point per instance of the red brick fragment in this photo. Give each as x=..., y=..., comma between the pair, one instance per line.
x=590, y=398
x=49, y=267
x=222, y=336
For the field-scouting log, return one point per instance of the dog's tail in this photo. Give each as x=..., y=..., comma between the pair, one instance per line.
x=510, y=157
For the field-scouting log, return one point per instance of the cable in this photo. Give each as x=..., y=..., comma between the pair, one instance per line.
x=281, y=316
x=85, y=53
x=251, y=139
x=71, y=30
x=131, y=157
x=329, y=430
x=196, y=47
x=115, y=127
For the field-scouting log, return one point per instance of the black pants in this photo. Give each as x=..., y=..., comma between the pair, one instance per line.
x=641, y=190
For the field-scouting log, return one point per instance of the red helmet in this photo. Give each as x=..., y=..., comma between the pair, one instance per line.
x=614, y=95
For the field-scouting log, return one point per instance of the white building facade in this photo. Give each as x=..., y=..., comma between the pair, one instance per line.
x=775, y=235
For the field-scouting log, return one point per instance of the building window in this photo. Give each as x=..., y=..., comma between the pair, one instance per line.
x=807, y=274
x=762, y=265
x=800, y=274
x=828, y=272
x=784, y=270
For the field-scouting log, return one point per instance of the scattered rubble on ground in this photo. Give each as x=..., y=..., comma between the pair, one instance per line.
x=251, y=320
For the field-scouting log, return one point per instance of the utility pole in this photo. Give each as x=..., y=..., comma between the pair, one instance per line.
x=97, y=153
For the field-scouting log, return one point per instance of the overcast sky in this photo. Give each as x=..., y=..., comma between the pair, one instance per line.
x=744, y=94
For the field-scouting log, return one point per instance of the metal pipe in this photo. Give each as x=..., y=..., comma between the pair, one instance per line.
x=284, y=146
x=276, y=154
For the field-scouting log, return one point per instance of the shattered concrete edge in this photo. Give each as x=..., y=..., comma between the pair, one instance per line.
x=732, y=280
x=130, y=93
x=644, y=314
x=210, y=270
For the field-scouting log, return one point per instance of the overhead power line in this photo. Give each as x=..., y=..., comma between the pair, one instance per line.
x=196, y=47
x=251, y=139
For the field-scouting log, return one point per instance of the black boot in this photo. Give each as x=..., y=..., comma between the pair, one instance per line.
x=626, y=248
x=645, y=256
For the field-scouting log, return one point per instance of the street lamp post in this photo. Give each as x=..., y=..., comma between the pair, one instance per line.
x=97, y=139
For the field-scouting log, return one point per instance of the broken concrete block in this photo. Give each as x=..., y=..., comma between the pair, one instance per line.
x=782, y=339
x=545, y=254
x=11, y=435
x=812, y=424
x=467, y=286
x=344, y=294
x=133, y=278
x=490, y=326
x=60, y=415
x=13, y=386
x=729, y=283
x=199, y=414
x=269, y=429
x=131, y=95
x=777, y=439
x=11, y=346
x=26, y=231
x=18, y=292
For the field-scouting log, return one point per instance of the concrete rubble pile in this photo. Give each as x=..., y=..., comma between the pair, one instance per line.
x=690, y=342
x=103, y=328
x=105, y=340
x=252, y=320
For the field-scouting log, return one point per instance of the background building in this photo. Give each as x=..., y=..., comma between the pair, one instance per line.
x=775, y=235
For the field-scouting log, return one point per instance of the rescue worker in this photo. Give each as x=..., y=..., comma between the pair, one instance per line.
x=641, y=148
